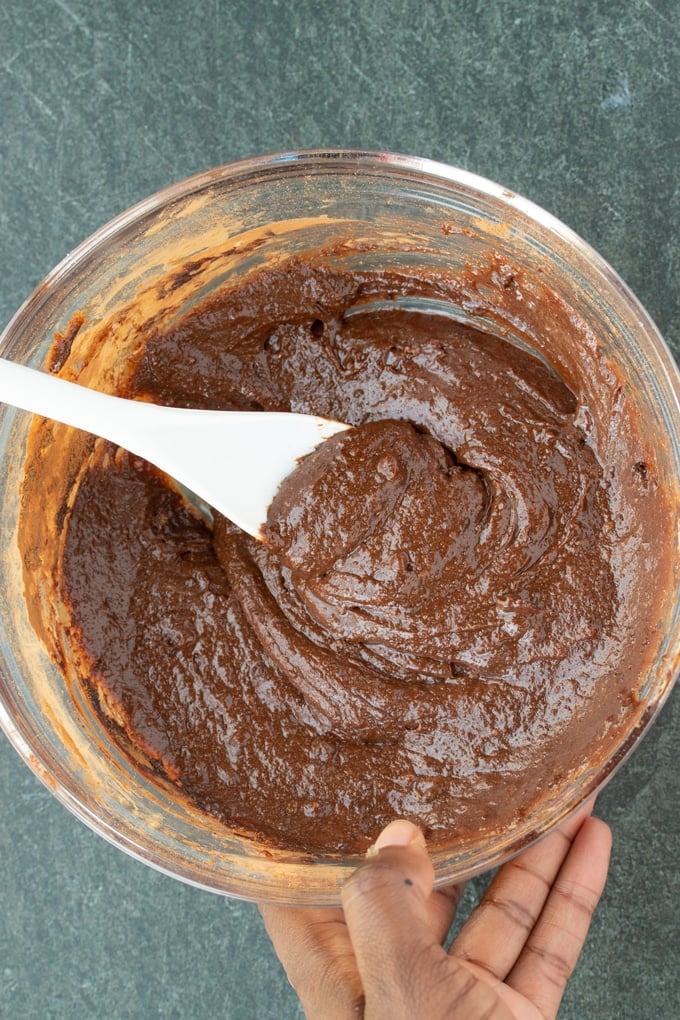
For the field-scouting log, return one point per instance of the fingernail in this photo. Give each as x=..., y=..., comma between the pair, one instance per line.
x=397, y=833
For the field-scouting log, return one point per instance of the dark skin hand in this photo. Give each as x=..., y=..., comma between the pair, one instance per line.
x=380, y=957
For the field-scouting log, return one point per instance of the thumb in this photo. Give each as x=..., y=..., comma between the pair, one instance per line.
x=385, y=909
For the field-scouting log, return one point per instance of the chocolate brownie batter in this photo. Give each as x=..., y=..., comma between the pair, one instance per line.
x=455, y=598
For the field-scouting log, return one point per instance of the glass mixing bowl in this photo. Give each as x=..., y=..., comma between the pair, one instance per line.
x=196, y=234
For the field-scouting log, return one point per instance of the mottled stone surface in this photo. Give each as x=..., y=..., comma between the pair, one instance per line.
x=576, y=106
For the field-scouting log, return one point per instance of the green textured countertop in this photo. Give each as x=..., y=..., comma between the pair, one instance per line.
x=577, y=107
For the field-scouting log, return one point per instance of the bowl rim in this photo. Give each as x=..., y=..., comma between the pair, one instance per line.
x=325, y=159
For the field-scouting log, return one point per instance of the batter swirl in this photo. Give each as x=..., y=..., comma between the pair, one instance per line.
x=454, y=599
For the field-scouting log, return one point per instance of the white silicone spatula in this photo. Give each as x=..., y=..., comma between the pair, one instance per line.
x=233, y=460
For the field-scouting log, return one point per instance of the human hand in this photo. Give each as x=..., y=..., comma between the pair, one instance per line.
x=381, y=956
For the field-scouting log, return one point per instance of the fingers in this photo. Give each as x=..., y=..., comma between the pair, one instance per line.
x=403, y=968
x=554, y=946
x=440, y=906
x=441, y=910
x=530, y=927
x=383, y=957
x=315, y=949
x=385, y=904
x=498, y=929
x=316, y=953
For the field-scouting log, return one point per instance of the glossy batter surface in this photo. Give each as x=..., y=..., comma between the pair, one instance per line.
x=455, y=599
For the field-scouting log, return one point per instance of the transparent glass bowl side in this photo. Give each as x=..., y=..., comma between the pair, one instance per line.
x=400, y=212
